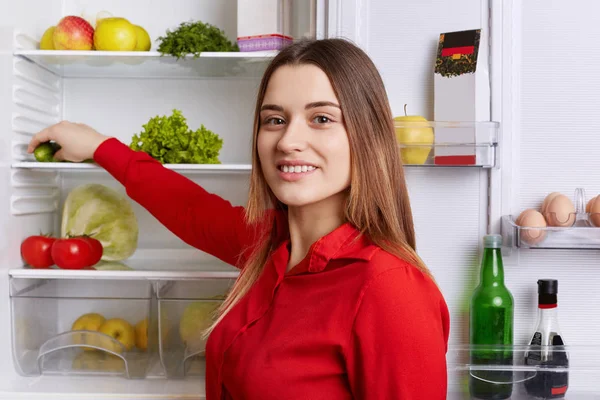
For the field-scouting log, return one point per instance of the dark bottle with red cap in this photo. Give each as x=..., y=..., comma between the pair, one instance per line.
x=551, y=380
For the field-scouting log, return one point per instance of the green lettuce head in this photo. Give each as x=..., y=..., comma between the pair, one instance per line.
x=102, y=213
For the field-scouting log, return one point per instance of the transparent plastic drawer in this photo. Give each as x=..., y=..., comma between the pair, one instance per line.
x=185, y=310
x=83, y=326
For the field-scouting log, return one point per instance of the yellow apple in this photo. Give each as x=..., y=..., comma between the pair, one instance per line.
x=112, y=363
x=87, y=322
x=47, y=43
x=143, y=39
x=196, y=317
x=98, y=361
x=141, y=334
x=115, y=34
x=88, y=361
x=418, y=134
x=121, y=331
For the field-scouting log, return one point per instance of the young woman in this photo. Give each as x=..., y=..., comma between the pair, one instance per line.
x=332, y=301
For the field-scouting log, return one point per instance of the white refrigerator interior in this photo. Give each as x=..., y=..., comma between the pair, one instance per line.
x=544, y=91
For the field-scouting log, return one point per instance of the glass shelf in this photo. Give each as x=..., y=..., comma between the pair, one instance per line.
x=150, y=64
x=183, y=168
x=479, y=151
x=582, y=233
x=145, y=264
x=448, y=143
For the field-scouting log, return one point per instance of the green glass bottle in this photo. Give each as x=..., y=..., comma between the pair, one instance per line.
x=491, y=324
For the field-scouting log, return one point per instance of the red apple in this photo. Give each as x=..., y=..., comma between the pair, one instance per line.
x=73, y=33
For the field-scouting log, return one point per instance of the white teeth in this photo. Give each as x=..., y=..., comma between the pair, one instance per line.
x=297, y=168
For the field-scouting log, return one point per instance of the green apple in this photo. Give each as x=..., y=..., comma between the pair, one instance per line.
x=418, y=134
x=196, y=317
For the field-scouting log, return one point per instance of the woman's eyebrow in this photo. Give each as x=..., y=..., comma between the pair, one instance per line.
x=271, y=107
x=315, y=104
x=321, y=104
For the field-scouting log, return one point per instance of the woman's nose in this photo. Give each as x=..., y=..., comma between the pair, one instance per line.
x=294, y=138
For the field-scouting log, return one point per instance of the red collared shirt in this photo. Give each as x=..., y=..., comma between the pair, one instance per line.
x=349, y=321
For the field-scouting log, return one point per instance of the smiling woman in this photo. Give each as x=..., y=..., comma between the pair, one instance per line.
x=332, y=301
x=301, y=127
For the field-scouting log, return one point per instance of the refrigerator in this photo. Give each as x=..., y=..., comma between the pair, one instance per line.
x=538, y=138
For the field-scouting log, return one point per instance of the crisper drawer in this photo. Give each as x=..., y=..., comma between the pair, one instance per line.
x=82, y=326
x=523, y=372
x=185, y=309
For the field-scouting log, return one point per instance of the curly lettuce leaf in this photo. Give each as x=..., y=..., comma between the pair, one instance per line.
x=170, y=141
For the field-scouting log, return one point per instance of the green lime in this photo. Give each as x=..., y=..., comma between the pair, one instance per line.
x=45, y=152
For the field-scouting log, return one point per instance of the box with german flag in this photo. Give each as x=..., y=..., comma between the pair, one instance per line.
x=461, y=93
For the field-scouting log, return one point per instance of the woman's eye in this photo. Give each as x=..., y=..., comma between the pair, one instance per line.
x=274, y=121
x=321, y=119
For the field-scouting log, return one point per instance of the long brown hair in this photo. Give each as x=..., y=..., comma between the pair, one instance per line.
x=378, y=204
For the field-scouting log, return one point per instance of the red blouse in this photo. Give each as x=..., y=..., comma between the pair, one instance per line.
x=349, y=321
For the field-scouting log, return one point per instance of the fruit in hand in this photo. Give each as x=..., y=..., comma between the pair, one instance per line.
x=45, y=152
x=143, y=39
x=47, y=42
x=76, y=252
x=36, y=251
x=87, y=322
x=417, y=134
x=121, y=331
x=141, y=334
x=115, y=34
x=196, y=317
x=73, y=33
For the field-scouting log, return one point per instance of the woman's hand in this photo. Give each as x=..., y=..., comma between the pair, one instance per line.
x=78, y=142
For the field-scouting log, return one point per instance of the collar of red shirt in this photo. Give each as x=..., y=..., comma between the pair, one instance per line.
x=344, y=242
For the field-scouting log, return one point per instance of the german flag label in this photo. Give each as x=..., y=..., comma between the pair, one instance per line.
x=457, y=53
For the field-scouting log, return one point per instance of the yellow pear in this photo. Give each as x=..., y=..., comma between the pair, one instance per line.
x=143, y=39
x=418, y=134
x=47, y=43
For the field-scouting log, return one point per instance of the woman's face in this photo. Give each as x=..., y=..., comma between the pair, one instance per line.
x=302, y=142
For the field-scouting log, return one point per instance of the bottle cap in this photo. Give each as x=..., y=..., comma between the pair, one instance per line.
x=547, y=286
x=492, y=241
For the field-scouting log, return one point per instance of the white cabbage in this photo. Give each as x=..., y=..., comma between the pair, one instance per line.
x=104, y=214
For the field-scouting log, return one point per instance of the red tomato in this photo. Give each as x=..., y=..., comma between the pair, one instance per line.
x=97, y=246
x=75, y=252
x=37, y=251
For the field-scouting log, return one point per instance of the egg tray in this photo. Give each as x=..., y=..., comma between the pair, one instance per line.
x=582, y=230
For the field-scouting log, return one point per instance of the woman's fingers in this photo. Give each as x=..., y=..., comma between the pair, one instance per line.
x=39, y=138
